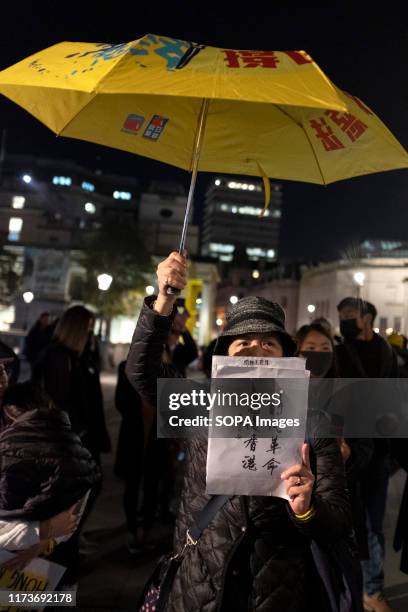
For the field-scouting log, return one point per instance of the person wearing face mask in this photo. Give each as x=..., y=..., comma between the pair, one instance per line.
x=255, y=552
x=316, y=345
x=365, y=354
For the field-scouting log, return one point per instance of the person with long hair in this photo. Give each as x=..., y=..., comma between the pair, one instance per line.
x=72, y=380
x=69, y=376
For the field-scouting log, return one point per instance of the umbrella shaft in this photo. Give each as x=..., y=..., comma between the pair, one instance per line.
x=194, y=167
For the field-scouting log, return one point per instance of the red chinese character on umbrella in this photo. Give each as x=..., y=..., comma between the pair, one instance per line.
x=251, y=59
x=353, y=127
x=360, y=104
x=326, y=135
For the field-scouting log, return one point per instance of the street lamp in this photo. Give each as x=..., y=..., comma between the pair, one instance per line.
x=104, y=281
x=28, y=297
x=234, y=299
x=359, y=278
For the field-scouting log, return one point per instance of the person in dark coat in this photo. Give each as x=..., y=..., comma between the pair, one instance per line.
x=129, y=461
x=365, y=354
x=181, y=349
x=256, y=553
x=208, y=353
x=69, y=376
x=316, y=344
x=71, y=379
x=44, y=467
x=400, y=542
x=37, y=339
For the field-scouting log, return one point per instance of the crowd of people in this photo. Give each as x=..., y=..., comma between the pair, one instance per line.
x=52, y=431
x=321, y=550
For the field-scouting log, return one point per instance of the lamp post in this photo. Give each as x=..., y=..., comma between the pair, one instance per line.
x=28, y=297
x=359, y=278
x=311, y=308
x=104, y=283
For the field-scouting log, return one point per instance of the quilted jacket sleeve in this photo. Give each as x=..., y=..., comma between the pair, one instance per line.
x=144, y=363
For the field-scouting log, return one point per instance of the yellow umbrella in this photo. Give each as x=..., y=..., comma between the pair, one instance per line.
x=265, y=113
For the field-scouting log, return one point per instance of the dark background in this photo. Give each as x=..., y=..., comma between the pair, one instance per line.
x=362, y=47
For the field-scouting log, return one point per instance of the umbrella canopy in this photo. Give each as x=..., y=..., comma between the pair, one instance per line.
x=146, y=97
x=265, y=113
x=268, y=109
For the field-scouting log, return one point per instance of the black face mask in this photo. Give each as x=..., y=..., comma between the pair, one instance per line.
x=318, y=362
x=349, y=329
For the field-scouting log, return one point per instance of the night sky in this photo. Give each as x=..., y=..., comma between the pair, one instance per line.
x=364, y=50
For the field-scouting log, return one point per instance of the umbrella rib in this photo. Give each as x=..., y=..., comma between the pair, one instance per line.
x=93, y=94
x=308, y=140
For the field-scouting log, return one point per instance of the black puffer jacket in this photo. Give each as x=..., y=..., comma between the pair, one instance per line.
x=44, y=469
x=254, y=555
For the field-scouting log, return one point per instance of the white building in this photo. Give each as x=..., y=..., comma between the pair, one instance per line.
x=383, y=281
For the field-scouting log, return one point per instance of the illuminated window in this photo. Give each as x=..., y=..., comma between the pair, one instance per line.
x=15, y=227
x=246, y=209
x=18, y=202
x=255, y=253
x=122, y=195
x=218, y=247
x=64, y=181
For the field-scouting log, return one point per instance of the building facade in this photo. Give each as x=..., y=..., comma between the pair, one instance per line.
x=161, y=216
x=48, y=209
x=383, y=281
x=232, y=228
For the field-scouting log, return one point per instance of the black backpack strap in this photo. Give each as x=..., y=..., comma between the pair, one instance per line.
x=201, y=522
x=204, y=518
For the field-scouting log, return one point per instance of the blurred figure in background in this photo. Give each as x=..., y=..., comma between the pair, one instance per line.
x=399, y=344
x=129, y=463
x=69, y=376
x=315, y=343
x=10, y=364
x=365, y=354
x=38, y=338
x=181, y=349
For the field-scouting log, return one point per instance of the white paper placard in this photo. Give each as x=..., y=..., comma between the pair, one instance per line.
x=252, y=465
